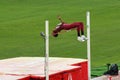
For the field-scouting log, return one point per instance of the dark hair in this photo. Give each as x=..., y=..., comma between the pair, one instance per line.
x=55, y=35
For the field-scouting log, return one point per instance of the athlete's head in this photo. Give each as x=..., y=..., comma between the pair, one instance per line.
x=56, y=31
x=55, y=34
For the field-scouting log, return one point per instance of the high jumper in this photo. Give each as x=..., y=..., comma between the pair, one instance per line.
x=65, y=26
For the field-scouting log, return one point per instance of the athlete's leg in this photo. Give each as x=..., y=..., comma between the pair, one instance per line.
x=79, y=35
x=82, y=31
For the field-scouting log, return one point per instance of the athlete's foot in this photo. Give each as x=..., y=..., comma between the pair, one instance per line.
x=84, y=38
x=80, y=39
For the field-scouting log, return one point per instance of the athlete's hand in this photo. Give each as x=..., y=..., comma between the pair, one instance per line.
x=59, y=17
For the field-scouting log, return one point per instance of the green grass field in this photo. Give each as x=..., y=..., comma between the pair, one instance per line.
x=21, y=22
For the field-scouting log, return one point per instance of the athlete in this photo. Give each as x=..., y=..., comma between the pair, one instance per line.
x=65, y=26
